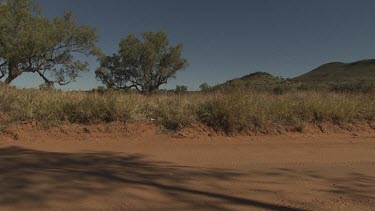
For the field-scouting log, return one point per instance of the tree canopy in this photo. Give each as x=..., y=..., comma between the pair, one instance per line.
x=204, y=87
x=181, y=89
x=32, y=43
x=143, y=64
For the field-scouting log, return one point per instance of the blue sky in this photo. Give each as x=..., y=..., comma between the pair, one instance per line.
x=224, y=39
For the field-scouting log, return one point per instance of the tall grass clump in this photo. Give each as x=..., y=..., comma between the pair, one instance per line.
x=54, y=107
x=229, y=111
x=173, y=111
x=252, y=111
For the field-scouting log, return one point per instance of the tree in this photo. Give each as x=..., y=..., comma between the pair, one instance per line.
x=34, y=44
x=181, y=89
x=204, y=87
x=142, y=64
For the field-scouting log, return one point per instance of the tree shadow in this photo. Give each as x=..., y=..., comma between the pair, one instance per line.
x=352, y=185
x=355, y=185
x=32, y=178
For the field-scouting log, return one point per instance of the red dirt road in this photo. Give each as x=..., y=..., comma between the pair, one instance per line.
x=329, y=172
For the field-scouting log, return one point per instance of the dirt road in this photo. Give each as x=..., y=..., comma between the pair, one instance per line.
x=159, y=172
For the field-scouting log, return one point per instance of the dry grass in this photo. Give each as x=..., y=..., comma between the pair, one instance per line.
x=229, y=112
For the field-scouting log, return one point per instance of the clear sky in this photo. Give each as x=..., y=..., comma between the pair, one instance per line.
x=224, y=39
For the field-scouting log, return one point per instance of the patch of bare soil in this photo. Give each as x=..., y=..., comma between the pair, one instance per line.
x=133, y=167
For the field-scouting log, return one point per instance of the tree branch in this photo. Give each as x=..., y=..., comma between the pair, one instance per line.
x=45, y=78
x=2, y=71
x=64, y=83
x=2, y=74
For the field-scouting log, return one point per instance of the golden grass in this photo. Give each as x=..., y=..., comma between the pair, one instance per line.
x=229, y=112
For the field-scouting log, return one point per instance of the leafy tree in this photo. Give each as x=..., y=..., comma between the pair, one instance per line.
x=181, y=89
x=204, y=87
x=30, y=43
x=101, y=89
x=142, y=64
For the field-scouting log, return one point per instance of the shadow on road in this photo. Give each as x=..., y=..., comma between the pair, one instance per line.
x=34, y=178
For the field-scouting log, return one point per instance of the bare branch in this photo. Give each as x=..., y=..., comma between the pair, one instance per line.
x=44, y=77
x=64, y=83
x=2, y=74
x=2, y=70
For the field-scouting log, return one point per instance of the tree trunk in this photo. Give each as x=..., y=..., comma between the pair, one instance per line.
x=13, y=74
x=9, y=79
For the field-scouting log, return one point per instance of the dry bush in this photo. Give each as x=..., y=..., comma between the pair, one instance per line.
x=230, y=112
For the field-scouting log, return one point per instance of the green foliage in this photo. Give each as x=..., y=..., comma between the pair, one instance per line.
x=204, y=87
x=181, y=89
x=142, y=64
x=32, y=43
x=100, y=90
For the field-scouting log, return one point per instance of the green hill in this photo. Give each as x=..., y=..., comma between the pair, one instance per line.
x=337, y=76
x=257, y=80
x=363, y=70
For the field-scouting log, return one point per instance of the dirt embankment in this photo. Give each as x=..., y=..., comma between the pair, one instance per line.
x=34, y=131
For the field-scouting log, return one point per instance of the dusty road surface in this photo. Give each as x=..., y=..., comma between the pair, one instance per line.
x=329, y=172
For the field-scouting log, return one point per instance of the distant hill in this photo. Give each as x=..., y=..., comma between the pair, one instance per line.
x=253, y=80
x=363, y=70
x=337, y=76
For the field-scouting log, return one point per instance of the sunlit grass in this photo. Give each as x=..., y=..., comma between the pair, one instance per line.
x=229, y=112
